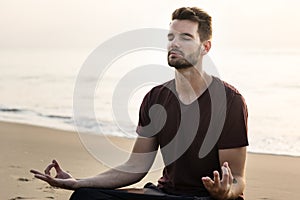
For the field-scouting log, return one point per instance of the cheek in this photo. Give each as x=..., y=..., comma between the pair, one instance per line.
x=196, y=48
x=168, y=46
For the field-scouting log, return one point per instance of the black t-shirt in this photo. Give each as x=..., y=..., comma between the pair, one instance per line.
x=191, y=135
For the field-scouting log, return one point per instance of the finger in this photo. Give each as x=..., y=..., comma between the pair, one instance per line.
x=225, y=175
x=217, y=178
x=56, y=165
x=207, y=182
x=225, y=164
x=229, y=174
x=43, y=177
x=48, y=168
x=36, y=172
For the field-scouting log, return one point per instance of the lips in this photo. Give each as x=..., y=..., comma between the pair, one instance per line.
x=175, y=53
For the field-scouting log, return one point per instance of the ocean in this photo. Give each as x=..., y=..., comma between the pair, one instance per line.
x=37, y=87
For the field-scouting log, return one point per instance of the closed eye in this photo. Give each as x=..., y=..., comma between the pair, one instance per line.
x=186, y=36
x=170, y=36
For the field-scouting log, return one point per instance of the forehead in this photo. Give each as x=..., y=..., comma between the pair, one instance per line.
x=184, y=26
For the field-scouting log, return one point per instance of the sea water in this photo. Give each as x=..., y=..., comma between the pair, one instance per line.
x=37, y=87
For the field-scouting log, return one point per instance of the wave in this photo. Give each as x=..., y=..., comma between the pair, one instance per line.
x=10, y=110
x=56, y=116
x=259, y=143
x=65, y=122
x=33, y=112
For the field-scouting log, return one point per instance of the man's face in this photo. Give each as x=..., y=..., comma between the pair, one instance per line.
x=184, y=45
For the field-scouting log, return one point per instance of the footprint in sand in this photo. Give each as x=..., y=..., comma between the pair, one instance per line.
x=16, y=198
x=23, y=179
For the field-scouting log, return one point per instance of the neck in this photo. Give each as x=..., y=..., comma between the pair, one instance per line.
x=191, y=83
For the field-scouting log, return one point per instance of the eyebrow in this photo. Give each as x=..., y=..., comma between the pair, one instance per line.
x=187, y=34
x=183, y=34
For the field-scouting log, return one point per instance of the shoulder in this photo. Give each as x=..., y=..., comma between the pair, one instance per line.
x=230, y=90
x=233, y=98
x=159, y=93
x=161, y=89
x=167, y=85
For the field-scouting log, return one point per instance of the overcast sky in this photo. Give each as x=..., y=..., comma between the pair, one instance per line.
x=87, y=23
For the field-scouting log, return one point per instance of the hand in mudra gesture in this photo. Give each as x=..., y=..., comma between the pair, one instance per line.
x=62, y=179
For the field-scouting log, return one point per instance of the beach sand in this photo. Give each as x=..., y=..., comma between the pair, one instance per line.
x=25, y=147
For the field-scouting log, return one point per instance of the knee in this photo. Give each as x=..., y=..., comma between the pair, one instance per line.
x=89, y=194
x=80, y=194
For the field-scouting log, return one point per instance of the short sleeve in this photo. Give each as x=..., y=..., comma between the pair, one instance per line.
x=144, y=118
x=234, y=133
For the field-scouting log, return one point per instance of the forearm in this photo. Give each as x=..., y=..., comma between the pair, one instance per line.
x=111, y=179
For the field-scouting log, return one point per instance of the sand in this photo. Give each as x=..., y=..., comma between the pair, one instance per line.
x=24, y=147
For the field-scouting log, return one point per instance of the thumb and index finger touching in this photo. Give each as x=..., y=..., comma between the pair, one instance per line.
x=227, y=176
x=54, y=164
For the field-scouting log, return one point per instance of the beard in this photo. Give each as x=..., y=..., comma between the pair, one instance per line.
x=185, y=62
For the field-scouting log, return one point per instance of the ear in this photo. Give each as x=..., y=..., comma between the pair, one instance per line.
x=205, y=47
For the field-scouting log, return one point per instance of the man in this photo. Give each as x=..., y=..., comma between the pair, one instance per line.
x=201, y=160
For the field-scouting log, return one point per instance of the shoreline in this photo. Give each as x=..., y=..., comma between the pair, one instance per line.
x=25, y=147
x=97, y=134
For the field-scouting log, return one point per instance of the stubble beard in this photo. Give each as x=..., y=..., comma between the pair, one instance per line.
x=183, y=63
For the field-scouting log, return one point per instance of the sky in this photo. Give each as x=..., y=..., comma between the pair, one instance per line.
x=40, y=38
x=85, y=24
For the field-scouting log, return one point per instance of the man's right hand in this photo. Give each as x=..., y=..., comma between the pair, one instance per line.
x=62, y=179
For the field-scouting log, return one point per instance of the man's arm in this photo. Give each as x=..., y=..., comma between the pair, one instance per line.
x=232, y=183
x=132, y=171
x=236, y=159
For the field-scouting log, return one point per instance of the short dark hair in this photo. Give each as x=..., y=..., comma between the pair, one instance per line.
x=196, y=15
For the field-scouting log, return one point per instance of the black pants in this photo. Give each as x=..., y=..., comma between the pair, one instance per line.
x=148, y=193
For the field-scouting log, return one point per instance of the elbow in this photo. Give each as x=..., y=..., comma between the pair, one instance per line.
x=138, y=177
x=135, y=172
